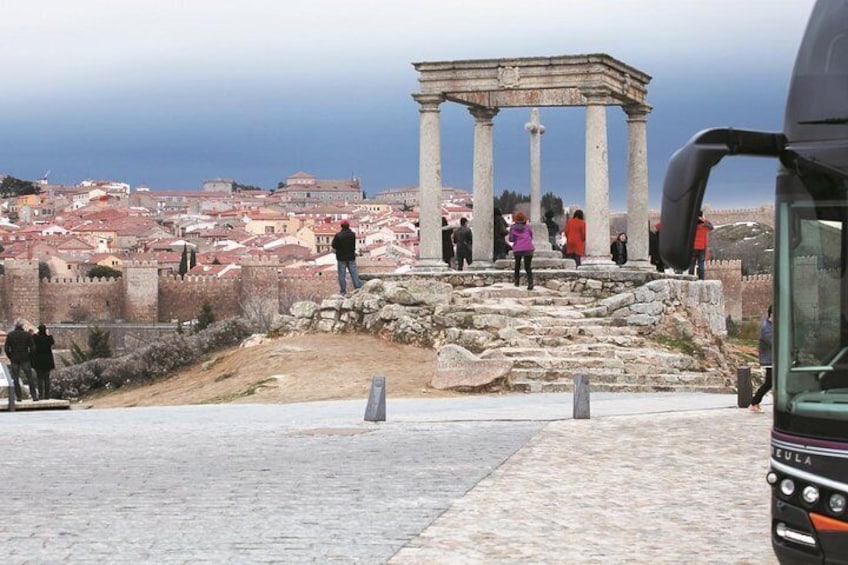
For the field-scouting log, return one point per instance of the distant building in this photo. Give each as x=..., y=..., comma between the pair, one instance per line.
x=302, y=187
x=409, y=195
x=219, y=185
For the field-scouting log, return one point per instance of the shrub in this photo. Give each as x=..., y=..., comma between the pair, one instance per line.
x=150, y=362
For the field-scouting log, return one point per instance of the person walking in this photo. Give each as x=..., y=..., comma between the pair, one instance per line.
x=521, y=236
x=42, y=361
x=699, y=247
x=501, y=231
x=344, y=244
x=447, y=243
x=764, y=351
x=553, y=229
x=618, y=249
x=575, y=237
x=463, y=239
x=18, y=348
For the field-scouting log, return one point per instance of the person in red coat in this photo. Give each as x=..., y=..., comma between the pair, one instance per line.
x=699, y=247
x=575, y=237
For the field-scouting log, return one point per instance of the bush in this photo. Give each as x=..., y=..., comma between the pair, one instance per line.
x=150, y=362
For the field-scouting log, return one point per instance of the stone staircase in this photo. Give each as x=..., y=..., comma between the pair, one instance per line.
x=550, y=336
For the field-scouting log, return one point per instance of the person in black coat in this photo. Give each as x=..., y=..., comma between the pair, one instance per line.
x=447, y=243
x=18, y=347
x=618, y=249
x=42, y=361
x=344, y=244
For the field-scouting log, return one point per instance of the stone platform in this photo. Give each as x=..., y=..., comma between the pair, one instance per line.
x=28, y=405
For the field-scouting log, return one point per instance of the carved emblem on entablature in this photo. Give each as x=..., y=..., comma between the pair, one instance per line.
x=509, y=77
x=573, y=96
x=625, y=82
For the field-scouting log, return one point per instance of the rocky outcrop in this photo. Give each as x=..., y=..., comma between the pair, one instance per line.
x=627, y=332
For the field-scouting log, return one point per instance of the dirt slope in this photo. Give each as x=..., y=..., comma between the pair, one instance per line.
x=290, y=369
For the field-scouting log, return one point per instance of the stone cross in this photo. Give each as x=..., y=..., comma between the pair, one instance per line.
x=535, y=129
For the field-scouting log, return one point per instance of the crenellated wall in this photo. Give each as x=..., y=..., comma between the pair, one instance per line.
x=21, y=297
x=76, y=300
x=757, y=294
x=744, y=297
x=182, y=299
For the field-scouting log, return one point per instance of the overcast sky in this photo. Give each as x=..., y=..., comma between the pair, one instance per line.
x=167, y=94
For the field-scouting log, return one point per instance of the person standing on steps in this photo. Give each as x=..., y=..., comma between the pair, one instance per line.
x=501, y=230
x=618, y=249
x=521, y=236
x=447, y=243
x=553, y=229
x=575, y=237
x=462, y=238
x=764, y=350
x=699, y=246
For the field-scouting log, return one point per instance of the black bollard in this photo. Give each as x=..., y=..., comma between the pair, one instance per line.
x=581, y=397
x=375, y=410
x=743, y=386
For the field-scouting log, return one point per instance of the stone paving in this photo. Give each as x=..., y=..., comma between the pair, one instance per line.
x=442, y=481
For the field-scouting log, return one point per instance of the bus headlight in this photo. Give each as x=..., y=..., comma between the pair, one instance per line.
x=787, y=487
x=771, y=477
x=837, y=503
x=810, y=494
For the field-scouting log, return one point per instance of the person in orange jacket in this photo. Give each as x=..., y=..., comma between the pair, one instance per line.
x=699, y=248
x=575, y=237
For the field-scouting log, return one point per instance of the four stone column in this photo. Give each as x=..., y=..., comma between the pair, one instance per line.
x=637, y=187
x=597, y=184
x=484, y=180
x=597, y=189
x=429, y=183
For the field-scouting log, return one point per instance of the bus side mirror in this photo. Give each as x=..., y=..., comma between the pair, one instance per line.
x=686, y=181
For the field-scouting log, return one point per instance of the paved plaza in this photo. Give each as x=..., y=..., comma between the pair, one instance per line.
x=651, y=478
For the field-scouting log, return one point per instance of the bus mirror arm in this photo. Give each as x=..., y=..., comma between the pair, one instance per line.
x=686, y=182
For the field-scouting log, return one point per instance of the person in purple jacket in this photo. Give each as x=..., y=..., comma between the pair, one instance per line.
x=521, y=237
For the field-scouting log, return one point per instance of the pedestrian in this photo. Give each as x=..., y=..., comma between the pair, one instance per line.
x=18, y=347
x=575, y=237
x=344, y=244
x=764, y=351
x=501, y=248
x=521, y=236
x=42, y=361
x=447, y=243
x=553, y=229
x=618, y=249
x=462, y=238
x=699, y=247
x=654, y=247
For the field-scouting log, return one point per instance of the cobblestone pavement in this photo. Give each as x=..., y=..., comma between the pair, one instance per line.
x=683, y=487
x=313, y=483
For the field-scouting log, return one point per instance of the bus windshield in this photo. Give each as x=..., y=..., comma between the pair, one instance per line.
x=813, y=376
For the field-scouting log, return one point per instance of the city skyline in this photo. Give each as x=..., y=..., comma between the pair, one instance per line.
x=167, y=95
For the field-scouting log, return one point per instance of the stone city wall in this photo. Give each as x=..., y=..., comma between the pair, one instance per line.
x=182, y=298
x=744, y=297
x=77, y=300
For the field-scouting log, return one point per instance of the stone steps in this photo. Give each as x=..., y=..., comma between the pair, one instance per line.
x=600, y=379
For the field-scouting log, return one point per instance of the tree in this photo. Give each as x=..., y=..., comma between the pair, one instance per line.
x=205, y=318
x=17, y=187
x=98, y=346
x=183, y=262
x=43, y=270
x=552, y=202
x=192, y=259
x=103, y=272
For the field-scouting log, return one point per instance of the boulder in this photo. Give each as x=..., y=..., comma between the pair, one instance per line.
x=459, y=369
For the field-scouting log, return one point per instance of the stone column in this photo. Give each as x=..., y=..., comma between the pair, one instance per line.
x=597, y=189
x=484, y=205
x=429, y=183
x=637, y=187
x=535, y=129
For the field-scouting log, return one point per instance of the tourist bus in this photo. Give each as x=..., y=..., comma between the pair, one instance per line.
x=808, y=470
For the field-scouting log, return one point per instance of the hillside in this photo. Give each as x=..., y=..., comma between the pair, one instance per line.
x=750, y=242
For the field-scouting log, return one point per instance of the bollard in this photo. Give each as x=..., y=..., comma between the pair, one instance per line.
x=11, y=384
x=375, y=410
x=743, y=386
x=581, y=397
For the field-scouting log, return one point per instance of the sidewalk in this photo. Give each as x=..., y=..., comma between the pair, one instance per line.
x=651, y=478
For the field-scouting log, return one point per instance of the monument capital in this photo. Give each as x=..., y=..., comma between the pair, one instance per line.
x=482, y=114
